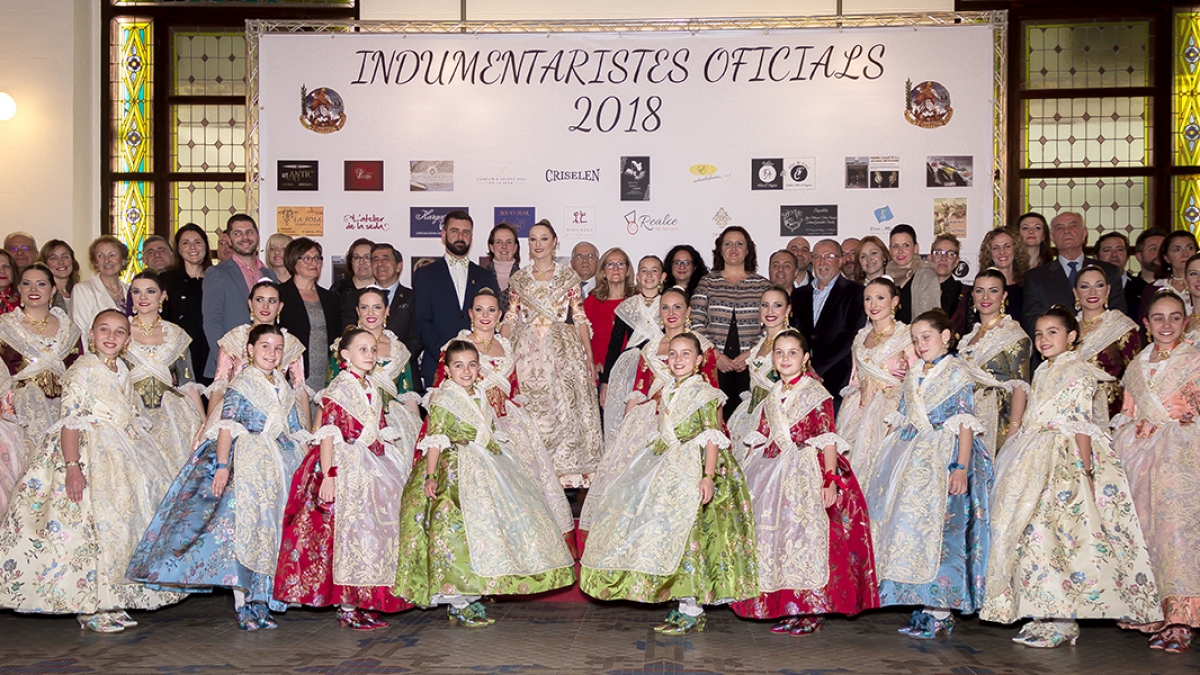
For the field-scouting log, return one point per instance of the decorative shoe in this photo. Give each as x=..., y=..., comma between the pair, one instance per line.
x=99, y=623
x=352, y=619
x=468, y=616
x=785, y=626
x=671, y=621
x=1157, y=641
x=372, y=619
x=1176, y=639
x=924, y=626
x=481, y=611
x=807, y=625
x=247, y=617
x=122, y=617
x=1046, y=635
x=687, y=624
x=265, y=620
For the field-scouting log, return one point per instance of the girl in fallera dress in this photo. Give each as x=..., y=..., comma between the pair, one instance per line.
x=1000, y=348
x=472, y=521
x=774, y=311
x=928, y=498
x=1108, y=339
x=37, y=344
x=393, y=371
x=220, y=523
x=232, y=353
x=160, y=362
x=675, y=522
x=341, y=528
x=650, y=376
x=89, y=492
x=811, y=527
x=637, y=324
x=1158, y=441
x=502, y=389
x=1066, y=543
x=882, y=351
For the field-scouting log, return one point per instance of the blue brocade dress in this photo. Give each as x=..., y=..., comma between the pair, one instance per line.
x=931, y=548
x=193, y=542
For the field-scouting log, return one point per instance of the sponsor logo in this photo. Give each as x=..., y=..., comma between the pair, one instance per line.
x=883, y=214
x=426, y=221
x=765, y=174
x=817, y=220
x=798, y=174
x=927, y=104
x=431, y=176
x=702, y=169
x=588, y=175
x=634, y=222
x=579, y=222
x=521, y=217
x=297, y=175
x=366, y=222
x=364, y=175
x=500, y=176
x=322, y=110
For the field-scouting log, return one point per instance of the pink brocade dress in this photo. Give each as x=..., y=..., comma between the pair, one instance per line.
x=849, y=586
x=305, y=575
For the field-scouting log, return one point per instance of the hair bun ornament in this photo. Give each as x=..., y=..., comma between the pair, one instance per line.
x=888, y=277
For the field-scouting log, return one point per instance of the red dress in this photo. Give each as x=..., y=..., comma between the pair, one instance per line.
x=305, y=572
x=852, y=586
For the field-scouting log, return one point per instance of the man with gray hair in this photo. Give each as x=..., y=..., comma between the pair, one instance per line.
x=1054, y=282
x=157, y=254
x=584, y=259
x=829, y=313
x=23, y=249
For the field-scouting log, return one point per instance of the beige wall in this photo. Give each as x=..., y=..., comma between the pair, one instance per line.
x=50, y=169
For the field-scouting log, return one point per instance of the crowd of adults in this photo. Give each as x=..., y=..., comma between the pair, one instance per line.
x=1039, y=260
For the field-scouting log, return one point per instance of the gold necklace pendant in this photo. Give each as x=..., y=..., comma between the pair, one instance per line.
x=147, y=330
x=881, y=335
x=485, y=345
x=1088, y=324
x=38, y=325
x=1161, y=354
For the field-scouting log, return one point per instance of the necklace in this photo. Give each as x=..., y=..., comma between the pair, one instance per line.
x=1088, y=324
x=111, y=363
x=880, y=335
x=1160, y=354
x=147, y=330
x=38, y=325
x=485, y=345
x=545, y=271
x=990, y=324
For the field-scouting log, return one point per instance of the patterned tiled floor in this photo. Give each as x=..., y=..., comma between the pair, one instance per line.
x=200, y=636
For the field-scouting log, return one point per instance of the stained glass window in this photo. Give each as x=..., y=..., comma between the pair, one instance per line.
x=1084, y=132
x=208, y=204
x=132, y=219
x=1186, y=132
x=209, y=62
x=209, y=138
x=132, y=81
x=1078, y=130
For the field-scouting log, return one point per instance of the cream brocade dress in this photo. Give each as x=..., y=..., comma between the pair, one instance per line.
x=745, y=417
x=62, y=557
x=554, y=371
x=1003, y=354
x=44, y=366
x=643, y=322
x=1060, y=549
x=873, y=393
x=1162, y=461
x=160, y=375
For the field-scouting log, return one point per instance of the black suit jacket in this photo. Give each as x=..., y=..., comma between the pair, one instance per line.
x=831, y=340
x=1048, y=285
x=400, y=319
x=437, y=315
x=294, y=317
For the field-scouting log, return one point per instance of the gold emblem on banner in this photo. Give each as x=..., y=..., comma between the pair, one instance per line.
x=927, y=104
x=322, y=110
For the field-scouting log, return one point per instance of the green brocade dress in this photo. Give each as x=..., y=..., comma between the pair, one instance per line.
x=633, y=525
x=436, y=558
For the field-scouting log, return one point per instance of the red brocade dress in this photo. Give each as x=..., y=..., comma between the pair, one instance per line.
x=812, y=560
x=367, y=502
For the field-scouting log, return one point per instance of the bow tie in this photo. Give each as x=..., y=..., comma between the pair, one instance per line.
x=457, y=261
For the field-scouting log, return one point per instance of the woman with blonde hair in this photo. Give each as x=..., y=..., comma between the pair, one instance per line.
x=614, y=283
x=873, y=258
x=1003, y=250
x=276, y=248
x=60, y=258
x=108, y=256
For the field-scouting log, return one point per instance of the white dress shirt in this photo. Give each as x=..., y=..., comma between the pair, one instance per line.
x=458, y=272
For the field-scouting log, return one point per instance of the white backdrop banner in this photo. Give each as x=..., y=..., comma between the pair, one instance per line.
x=640, y=139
